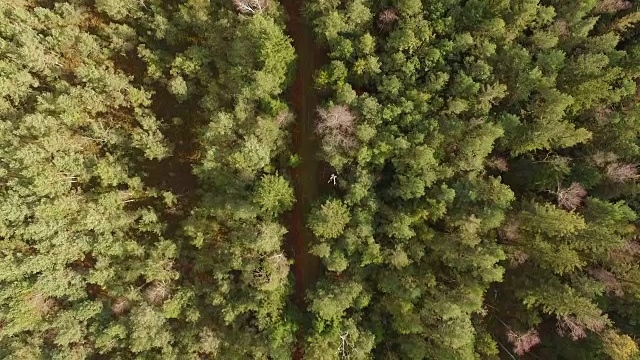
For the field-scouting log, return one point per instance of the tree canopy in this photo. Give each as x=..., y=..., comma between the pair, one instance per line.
x=483, y=199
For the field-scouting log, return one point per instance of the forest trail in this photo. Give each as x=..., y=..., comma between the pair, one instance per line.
x=306, y=176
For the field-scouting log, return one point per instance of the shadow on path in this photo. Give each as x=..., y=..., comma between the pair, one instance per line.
x=306, y=176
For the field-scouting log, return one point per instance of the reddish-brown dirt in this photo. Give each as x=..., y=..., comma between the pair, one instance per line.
x=306, y=176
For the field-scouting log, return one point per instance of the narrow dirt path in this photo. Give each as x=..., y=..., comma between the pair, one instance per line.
x=306, y=176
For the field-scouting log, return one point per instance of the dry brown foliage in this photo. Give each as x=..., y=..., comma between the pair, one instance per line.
x=120, y=306
x=510, y=231
x=518, y=257
x=577, y=329
x=387, y=18
x=499, y=163
x=631, y=247
x=619, y=173
x=523, y=343
x=609, y=280
x=337, y=127
x=562, y=27
x=157, y=292
x=250, y=6
x=570, y=198
x=602, y=115
x=595, y=324
x=568, y=325
x=284, y=118
x=601, y=158
x=626, y=252
x=42, y=304
x=612, y=6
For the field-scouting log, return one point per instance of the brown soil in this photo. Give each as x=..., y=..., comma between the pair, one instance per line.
x=306, y=177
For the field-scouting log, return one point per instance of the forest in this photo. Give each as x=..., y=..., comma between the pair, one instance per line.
x=320, y=179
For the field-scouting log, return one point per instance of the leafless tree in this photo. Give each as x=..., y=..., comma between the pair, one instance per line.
x=120, y=306
x=337, y=127
x=595, y=324
x=42, y=304
x=274, y=268
x=602, y=114
x=499, y=163
x=251, y=6
x=577, y=327
x=387, y=18
x=562, y=27
x=609, y=280
x=345, y=348
x=601, y=158
x=284, y=118
x=621, y=172
x=627, y=252
x=612, y=6
x=517, y=257
x=522, y=343
x=510, y=231
x=631, y=247
x=570, y=198
x=568, y=325
x=157, y=292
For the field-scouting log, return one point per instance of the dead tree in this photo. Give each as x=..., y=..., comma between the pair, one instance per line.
x=499, y=163
x=284, y=118
x=42, y=304
x=251, y=6
x=568, y=325
x=577, y=328
x=157, y=292
x=345, y=348
x=612, y=6
x=609, y=280
x=120, y=306
x=523, y=343
x=387, y=18
x=619, y=173
x=570, y=198
x=337, y=127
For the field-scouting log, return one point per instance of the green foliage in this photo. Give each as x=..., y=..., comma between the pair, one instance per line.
x=488, y=131
x=330, y=219
x=619, y=346
x=294, y=160
x=111, y=247
x=274, y=194
x=486, y=208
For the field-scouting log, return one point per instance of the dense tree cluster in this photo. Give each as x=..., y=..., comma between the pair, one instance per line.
x=485, y=207
x=110, y=247
x=487, y=196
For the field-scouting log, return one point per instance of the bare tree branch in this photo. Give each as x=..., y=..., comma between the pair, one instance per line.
x=387, y=18
x=570, y=198
x=609, y=280
x=345, y=348
x=568, y=325
x=120, y=306
x=337, y=127
x=157, y=292
x=251, y=6
x=523, y=343
x=621, y=172
x=612, y=6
